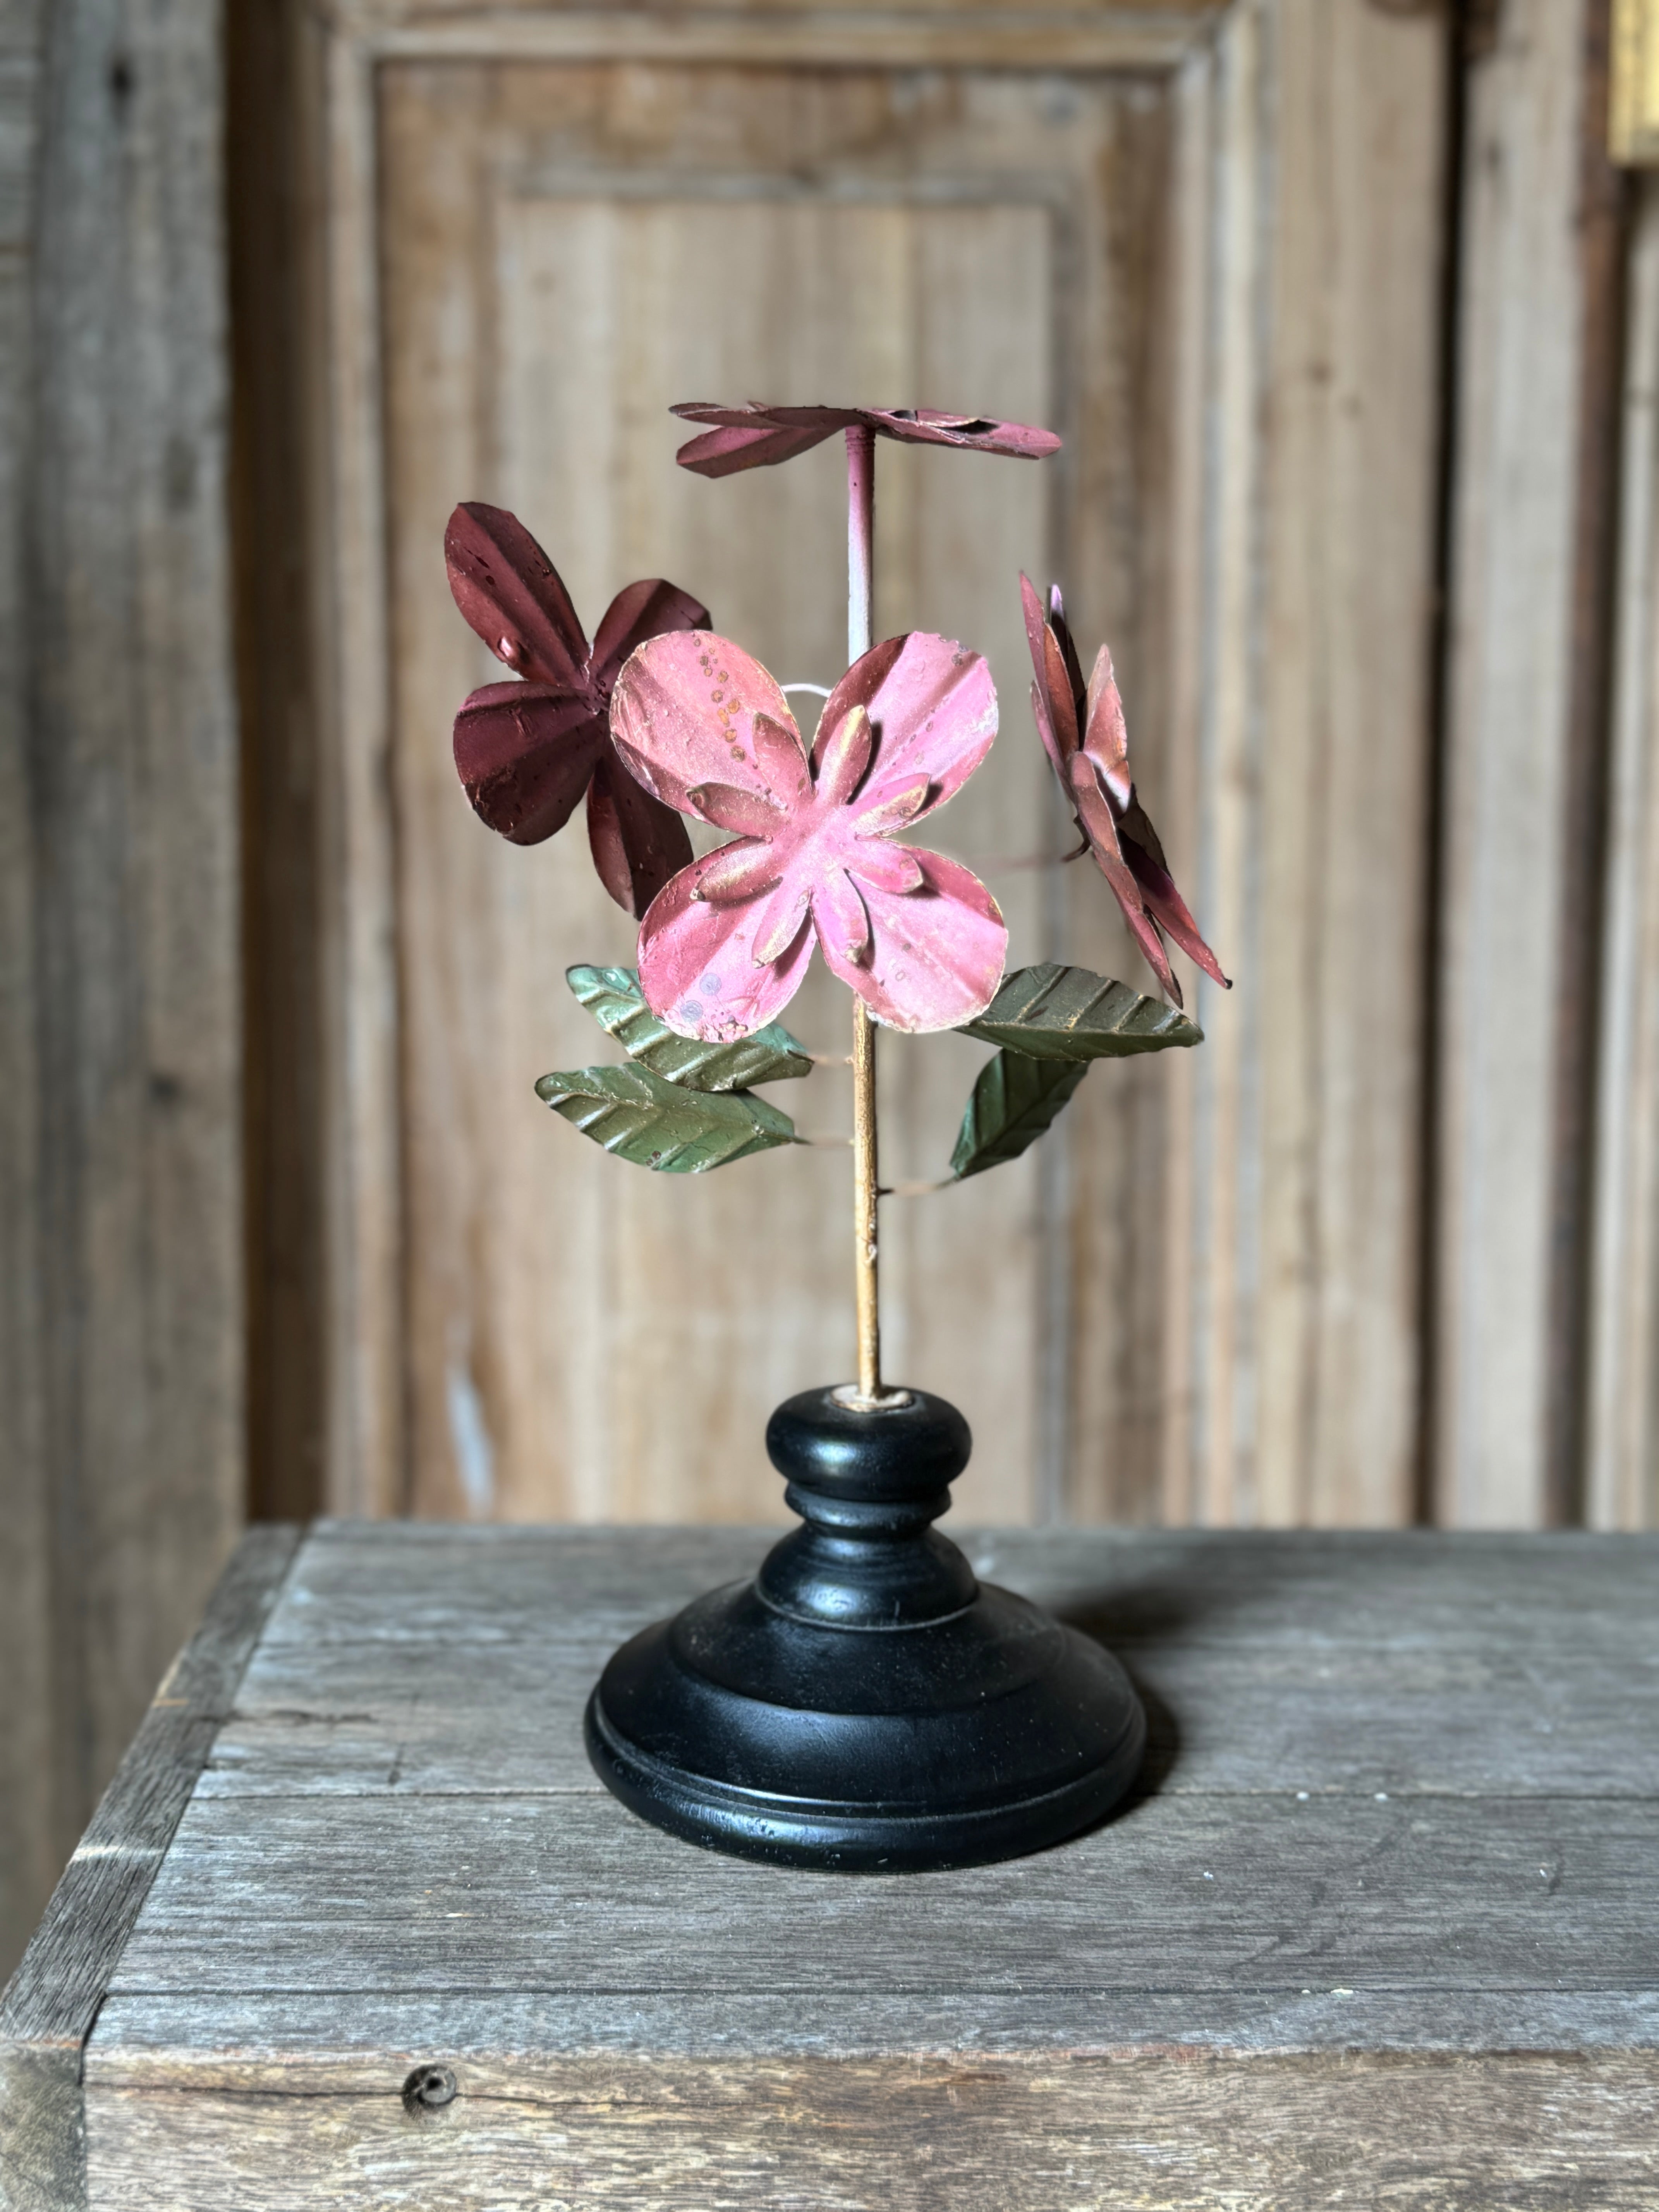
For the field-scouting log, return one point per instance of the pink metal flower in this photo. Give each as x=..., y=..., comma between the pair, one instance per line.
x=1083, y=734
x=726, y=945
x=527, y=751
x=755, y=436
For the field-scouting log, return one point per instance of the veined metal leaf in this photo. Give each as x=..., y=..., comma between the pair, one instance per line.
x=613, y=997
x=1052, y=1012
x=1013, y=1102
x=641, y=1117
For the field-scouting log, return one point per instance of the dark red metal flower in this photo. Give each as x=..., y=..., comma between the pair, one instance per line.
x=755, y=436
x=1083, y=731
x=528, y=750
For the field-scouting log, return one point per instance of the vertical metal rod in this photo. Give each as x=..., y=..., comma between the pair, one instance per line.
x=866, y=1281
x=860, y=536
x=861, y=559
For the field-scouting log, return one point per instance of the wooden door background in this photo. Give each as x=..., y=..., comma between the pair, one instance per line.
x=1354, y=339
x=1203, y=243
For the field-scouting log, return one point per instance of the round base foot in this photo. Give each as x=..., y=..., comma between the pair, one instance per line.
x=988, y=1733
x=865, y=1703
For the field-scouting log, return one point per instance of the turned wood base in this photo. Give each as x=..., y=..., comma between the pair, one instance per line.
x=865, y=1703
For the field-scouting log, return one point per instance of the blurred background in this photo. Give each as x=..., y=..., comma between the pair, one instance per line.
x=1348, y=313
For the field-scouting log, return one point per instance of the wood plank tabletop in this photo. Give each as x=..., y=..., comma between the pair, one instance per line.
x=1380, y=1924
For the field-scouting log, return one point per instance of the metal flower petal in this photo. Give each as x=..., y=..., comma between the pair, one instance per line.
x=697, y=965
x=1085, y=736
x=756, y=436
x=526, y=752
x=934, y=708
x=935, y=942
x=724, y=945
x=513, y=595
x=706, y=714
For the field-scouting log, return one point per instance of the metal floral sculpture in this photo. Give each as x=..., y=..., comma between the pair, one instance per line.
x=1083, y=732
x=664, y=719
x=755, y=437
x=723, y=947
x=527, y=751
x=865, y=1703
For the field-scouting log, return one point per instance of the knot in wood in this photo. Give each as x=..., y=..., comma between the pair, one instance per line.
x=428, y=2088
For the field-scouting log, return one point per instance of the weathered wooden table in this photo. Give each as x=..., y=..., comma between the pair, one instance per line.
x=1382, y=1929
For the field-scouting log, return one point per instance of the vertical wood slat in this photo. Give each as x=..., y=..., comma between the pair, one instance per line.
x=121, y=957
x=274, y=501
x=1509, y=740
x=37, y=1814
x=366, y=1445
x=1345, y=680
x=1600, y=220
x=1301, y=557
x=1622, y=1451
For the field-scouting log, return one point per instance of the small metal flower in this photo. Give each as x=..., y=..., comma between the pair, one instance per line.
x=527, y=751
x=1083, y=734
x=755, y=436
x=726, y=945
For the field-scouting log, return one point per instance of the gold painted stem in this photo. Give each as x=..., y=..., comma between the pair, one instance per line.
x=865, y=1201
x=860, y=565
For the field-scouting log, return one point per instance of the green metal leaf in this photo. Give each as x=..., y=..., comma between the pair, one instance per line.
x=1013, y=1102
x=613, y=997
x=1052, y=1012
x=641, y=1117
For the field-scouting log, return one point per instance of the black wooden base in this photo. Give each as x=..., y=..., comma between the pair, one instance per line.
x=865, y=1704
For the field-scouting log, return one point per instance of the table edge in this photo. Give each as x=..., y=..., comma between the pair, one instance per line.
x=48, y=2007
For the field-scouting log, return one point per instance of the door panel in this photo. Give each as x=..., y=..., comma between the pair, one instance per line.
x=575, y=263
x=1202, y=244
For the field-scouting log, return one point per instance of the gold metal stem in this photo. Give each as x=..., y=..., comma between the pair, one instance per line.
x=860, y=562
x=865, y=1179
